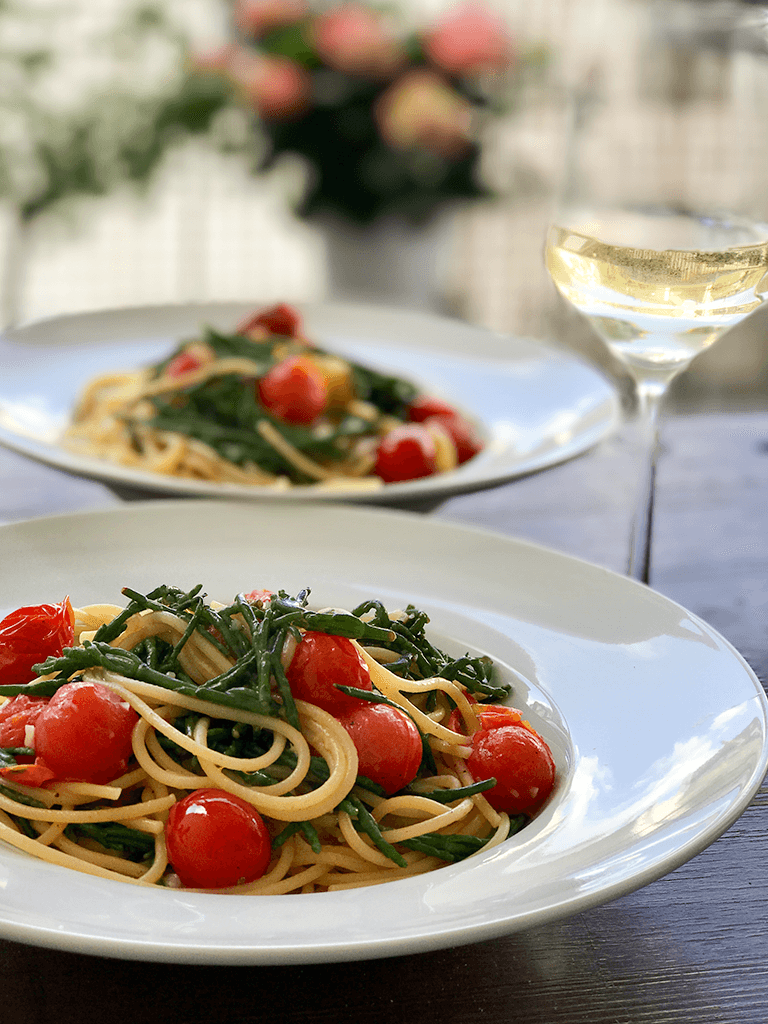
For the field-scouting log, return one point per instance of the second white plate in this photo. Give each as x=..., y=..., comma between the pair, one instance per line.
x=538, y=406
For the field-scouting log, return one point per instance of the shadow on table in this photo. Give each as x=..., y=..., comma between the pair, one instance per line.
x=564, y=973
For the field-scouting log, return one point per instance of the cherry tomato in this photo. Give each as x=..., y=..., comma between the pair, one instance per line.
x=31, y=634
x=216, y=840
x=406, y=453
x=424, y=406
x=294, y=390
x=389, y=748
x=85, y=733
x=265, y=596
x=520, y=761
x=280, y=319
x=321, y=663
x=16, y=715
x=491, y=716
x=464, y=434
x=28, y=774
x=184, y=362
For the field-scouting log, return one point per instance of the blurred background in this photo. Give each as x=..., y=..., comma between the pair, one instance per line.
x=158, y=153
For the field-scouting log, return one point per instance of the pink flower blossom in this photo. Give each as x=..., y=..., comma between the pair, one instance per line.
x=469, y=39
x=353, y=39
x=213, y=61
x=420, y=109
x=274, y=86
x=254, y=18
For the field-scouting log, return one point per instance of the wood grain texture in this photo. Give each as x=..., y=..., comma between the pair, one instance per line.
x=691, y=948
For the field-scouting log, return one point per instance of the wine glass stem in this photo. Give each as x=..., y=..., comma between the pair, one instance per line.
x=649, y=395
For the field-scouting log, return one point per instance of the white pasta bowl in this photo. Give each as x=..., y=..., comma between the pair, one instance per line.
x=657, y=725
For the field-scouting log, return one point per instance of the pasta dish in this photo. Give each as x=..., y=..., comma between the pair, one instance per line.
x=258, y=747
x=265, y=406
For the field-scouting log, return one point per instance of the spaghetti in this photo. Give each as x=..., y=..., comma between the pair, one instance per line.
x=263, y=406
x=214, y=710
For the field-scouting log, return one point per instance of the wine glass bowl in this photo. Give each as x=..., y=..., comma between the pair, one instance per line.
x=660, y=235
x=657, y=307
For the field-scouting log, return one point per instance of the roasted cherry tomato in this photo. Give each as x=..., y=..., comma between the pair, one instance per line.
x=31, y=634
x=294, y=390
x=16, y=715
x=406, y=453
x=389, y=748
x=520, y=761
x=491, y=716
x=184, y=362
x=424, y=406
x=17, y=721
x=28, y=774
x=85, y=733
x=216, y=840
x=280, y=319
x=464, y=435
x=320, y=664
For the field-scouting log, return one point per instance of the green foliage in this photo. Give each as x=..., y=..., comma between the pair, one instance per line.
x=59, y=143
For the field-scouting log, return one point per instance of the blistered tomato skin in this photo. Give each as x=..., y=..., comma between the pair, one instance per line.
x=84, y=733
x=406, y=453
x=15, y=716
x=280, y=319
x=464, y=435
x=216, y=840
x=424, y=406
x=184, y=362
x=28, y=774
x=17, y=722
x=31, y=634
x=294, y=391
x=490, y=716
x=519, y=760
x=320, y=664
x=388, y=744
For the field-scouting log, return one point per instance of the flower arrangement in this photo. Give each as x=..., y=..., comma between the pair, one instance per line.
x=386, y=118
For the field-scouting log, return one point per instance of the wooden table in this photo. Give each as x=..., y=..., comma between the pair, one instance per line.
x=691, y=947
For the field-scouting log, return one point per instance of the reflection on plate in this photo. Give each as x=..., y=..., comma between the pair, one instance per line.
x=630, y=806
x=538, y=406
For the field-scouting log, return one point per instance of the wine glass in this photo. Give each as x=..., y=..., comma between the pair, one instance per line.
x=660, y=236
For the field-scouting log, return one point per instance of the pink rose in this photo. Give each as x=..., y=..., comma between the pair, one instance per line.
x=353, y=39
x=420, y=109
x=254, y=18
x=469, y=39
x=275, y=86
x=214, y=62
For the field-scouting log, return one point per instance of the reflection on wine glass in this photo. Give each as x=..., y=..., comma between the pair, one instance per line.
x=661, y=235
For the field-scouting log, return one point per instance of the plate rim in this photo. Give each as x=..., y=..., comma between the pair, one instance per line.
x=483, y=472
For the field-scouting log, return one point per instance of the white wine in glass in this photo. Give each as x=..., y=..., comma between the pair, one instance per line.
x=661, y=237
